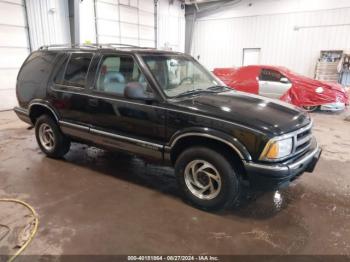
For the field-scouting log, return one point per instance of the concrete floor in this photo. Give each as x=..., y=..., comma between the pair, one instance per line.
x=95, y=202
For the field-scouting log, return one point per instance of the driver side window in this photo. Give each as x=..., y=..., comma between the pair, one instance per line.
x=116, y=72
x=270, y=75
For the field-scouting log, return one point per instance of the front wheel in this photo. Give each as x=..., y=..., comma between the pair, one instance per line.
x=207, y=179
x=310, y=108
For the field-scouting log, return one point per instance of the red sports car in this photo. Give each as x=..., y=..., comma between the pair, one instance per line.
x=281, y=83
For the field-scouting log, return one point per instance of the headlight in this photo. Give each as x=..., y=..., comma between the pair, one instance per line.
x=277, y=149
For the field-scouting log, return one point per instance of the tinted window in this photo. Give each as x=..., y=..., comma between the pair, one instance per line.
x=270, y=75
x=35, y=74
x=37, y=67
x=77, y=69
x=58, y=78
x=116, y=72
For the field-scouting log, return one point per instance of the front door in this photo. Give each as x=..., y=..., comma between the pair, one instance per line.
x=131, y=124
x=272, y=83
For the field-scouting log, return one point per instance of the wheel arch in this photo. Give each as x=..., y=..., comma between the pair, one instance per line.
x=36, y=109
x=230, y=146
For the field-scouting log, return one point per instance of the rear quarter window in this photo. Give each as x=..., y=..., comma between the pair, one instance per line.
x=34, y=74
x=37, y=67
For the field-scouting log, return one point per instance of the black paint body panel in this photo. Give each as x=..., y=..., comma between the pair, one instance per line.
x=150, y=128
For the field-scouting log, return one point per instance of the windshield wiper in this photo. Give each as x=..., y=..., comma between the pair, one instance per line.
x=211, y=89
x=193, y=91
x=218, y=88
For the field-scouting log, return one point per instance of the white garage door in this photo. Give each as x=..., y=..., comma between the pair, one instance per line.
x=13, y=49
x=251, y=56
x=126, y=21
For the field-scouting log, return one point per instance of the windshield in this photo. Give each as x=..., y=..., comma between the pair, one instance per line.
x=180, y=75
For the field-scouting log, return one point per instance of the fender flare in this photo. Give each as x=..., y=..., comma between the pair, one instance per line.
x=44, y=104
x=210, y=133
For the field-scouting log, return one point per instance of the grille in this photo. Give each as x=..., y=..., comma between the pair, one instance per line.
x=302, y=140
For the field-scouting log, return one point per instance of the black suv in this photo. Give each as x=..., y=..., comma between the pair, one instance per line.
x=164, y=106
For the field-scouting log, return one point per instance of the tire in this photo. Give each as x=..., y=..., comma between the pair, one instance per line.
x=310, y=108
x=50, y=138
x=226, y=191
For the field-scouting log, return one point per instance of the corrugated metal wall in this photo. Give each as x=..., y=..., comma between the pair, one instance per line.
x=220, y=42
x=48, y=22
x=125, y=21
x=171, y=26
x=14, y=48
x=87, y=21
x=132, y=22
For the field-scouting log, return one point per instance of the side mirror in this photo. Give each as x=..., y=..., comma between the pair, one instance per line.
x=135, y=90
x=284, y=80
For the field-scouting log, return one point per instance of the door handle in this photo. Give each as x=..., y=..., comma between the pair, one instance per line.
x=93, y=102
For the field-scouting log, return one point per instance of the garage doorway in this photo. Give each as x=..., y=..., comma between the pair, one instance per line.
x=126, y=21
x=251, y=56
x=14, y=48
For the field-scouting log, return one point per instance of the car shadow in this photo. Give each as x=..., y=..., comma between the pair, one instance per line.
x=123, y=166
x=325, y=112
x=261, y=205
x=252, y=204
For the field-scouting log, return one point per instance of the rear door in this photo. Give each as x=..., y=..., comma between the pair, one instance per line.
x=272, y=83
x=68, y=87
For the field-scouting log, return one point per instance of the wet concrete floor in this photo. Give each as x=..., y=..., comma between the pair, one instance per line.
x=97, y=202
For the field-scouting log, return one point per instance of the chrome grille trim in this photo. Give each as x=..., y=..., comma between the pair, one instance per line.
x=303, y=140
x=304, y=148
x=303, y=129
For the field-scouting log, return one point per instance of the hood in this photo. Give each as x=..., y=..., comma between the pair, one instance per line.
x=317, y=83
x=304, y=92
x=269, y=116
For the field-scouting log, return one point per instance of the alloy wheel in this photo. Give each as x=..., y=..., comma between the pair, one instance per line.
x=202, y=179
x=46, y=137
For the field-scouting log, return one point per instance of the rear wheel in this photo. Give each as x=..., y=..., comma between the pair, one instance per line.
x=310, y=108
x=207, y=179
x=50, y=138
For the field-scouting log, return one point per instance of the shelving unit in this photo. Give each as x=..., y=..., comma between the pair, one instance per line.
x=327, y=66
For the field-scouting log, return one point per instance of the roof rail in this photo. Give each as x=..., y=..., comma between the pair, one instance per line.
x=102, y=45
x=123, y=45
x=67, y=46
x=119, y=44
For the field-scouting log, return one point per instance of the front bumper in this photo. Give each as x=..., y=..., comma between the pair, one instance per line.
x=274, y=176
x=338, y=106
